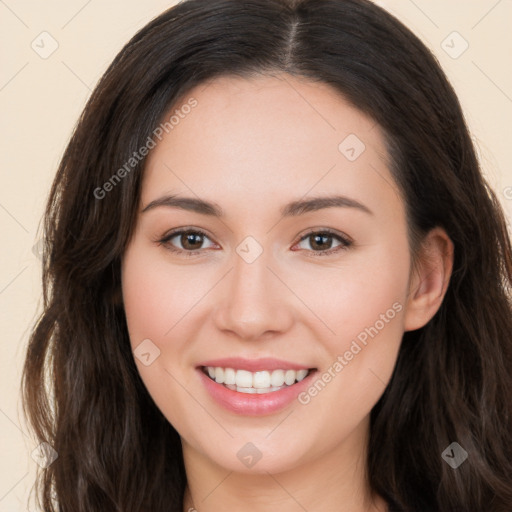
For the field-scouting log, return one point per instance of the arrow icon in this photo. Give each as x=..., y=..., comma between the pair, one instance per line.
x=249, y=455
x=146, y=352
x=454, y=455
x=454, y=45
x=249, y=253
x=351, y=147
x=44, y=44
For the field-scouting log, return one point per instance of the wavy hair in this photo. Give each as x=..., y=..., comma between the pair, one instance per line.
x=452, y=382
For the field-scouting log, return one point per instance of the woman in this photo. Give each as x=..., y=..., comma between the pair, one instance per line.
x=274, y=277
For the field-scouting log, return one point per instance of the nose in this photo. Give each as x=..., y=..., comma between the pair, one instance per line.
x=253, y=301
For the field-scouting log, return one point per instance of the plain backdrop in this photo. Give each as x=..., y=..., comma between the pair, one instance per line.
x=52, y=55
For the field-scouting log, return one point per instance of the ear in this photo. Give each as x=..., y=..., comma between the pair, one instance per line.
x=429, y=279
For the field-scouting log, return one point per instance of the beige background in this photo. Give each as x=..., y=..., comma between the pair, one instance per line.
x=41, y=99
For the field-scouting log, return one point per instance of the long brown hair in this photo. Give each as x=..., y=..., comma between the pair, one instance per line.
x=452, y=381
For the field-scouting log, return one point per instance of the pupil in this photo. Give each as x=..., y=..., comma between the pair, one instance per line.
x=190, y=239
x=321, y=237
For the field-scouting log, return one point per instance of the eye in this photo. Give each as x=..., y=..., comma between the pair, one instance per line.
x=189, y=241
x=321, y=242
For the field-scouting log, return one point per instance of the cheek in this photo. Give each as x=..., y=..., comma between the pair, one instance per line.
x=372, y=307
x=364, y=292
x=146, y=299
x=157, y=297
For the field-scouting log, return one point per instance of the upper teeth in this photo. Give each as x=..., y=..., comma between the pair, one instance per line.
x=258, y=380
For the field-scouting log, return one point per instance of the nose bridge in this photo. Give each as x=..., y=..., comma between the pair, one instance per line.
x=250, y=273
x=254, y=300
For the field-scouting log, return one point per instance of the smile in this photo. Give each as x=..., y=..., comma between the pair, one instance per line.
x=260, y=382
x=254, y=387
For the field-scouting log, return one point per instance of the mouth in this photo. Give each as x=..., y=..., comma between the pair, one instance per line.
x=259, y=382
x=254, y=386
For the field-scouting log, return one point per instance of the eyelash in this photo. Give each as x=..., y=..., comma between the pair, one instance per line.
x=345, y=242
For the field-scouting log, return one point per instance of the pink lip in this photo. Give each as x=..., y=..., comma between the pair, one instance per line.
x=254, y=365
x=253, y=404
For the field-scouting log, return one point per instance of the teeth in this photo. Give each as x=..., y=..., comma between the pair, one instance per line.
x=261, y=380
x=229, y=376
x=255, y=382
x=277, y=378
x=246, y=390
x=301, y=375
x=219, y=375
x=289, y=377
x=243, y=379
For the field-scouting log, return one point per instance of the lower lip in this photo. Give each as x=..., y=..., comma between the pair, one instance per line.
x=252, y=404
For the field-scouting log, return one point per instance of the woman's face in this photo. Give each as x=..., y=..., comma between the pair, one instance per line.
x=294, y=257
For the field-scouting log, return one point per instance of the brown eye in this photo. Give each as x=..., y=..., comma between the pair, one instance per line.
x=321, y=242
x=186, y=241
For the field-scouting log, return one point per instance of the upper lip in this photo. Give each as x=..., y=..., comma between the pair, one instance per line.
x=254, y=365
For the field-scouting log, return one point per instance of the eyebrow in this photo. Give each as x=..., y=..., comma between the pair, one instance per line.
x=291, y=209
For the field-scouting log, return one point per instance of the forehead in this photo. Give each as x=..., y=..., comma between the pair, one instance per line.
x=265, y=137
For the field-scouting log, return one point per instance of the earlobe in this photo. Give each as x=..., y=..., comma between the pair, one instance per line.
x=430, y=279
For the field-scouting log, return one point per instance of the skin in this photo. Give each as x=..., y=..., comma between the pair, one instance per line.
x=251, y=146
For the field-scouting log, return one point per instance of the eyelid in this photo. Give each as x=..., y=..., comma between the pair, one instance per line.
x=322, y=230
